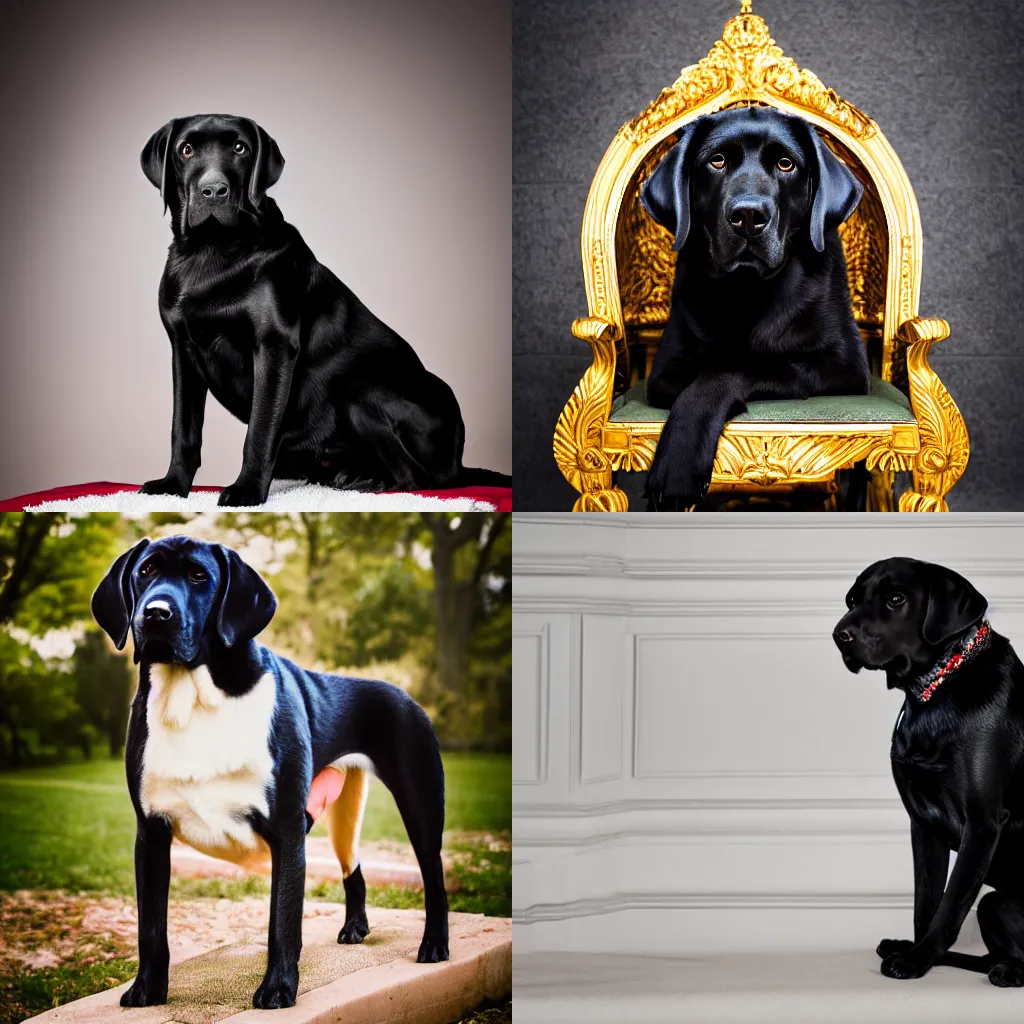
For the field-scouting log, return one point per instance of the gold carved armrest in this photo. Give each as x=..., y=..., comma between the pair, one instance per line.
x=594, y=329
x=578, y=450
x=944, y=444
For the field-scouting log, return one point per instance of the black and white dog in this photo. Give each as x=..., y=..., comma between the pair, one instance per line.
x=226, y=740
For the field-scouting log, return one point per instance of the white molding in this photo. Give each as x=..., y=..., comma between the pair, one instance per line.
x=640, y=806
x=543, y=702
x=618, y=902
x=575, y=702
x=765, y=837
x=547, y=564
x=660, y=607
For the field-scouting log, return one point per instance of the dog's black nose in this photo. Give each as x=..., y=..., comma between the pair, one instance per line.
x=213, y=187
x=748, y=219
x=842, y=636
x=157, y=611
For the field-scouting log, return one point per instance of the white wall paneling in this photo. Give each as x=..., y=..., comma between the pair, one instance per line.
x=694, y=769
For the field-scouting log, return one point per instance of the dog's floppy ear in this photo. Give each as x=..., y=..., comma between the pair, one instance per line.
x=836, y=189
x=953, y=605
x=113, y=603
x=156, y=158
x=666, y=193
x=267, y=164
x=245, y=604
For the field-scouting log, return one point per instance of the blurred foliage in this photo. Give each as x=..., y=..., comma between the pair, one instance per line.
x=420, y=599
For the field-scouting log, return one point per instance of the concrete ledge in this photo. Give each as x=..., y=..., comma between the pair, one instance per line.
x=377, y=982
x=320, y=863
x=783, y=988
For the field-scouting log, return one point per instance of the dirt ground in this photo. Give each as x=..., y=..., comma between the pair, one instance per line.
x=39, y=929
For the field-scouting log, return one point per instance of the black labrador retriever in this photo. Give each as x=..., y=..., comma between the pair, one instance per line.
x=957, y=758
x=760, y=304
x=329, y=392
x=227, y=741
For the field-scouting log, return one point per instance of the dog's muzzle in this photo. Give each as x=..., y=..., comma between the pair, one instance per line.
x=844, y=640
x=157, y=632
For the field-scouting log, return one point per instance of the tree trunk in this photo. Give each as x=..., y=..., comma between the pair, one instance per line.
x=32, y=531
x=455, y=600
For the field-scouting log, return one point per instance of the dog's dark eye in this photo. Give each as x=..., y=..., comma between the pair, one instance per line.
x=717, y=161
x=785, y=164
x=148, y=569
x=187, y=150
x=197, y=576
x=895, y=600
x=240, y=148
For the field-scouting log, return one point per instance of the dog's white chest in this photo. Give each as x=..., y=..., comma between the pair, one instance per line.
x=207, y=761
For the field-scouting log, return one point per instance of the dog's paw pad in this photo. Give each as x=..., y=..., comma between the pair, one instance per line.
x=274, y=994
x=353, y=932
x=888, y=947
x=901, y=967
x=164, y=486
x=239, y=495
x=1007, y=974
x=141, y=994
x=432, y=951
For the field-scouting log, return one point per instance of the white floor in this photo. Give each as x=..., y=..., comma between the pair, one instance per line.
x=833, y=987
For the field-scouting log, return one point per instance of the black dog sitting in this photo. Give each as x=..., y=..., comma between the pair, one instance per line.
x=760, y=304
x=226, y=741
x=330, y=393
x=957, y=758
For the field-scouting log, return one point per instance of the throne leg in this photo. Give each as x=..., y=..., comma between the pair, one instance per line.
x=578, y=433
x=880, y=491
x=916, y=501
x=945, y=447
x=607, y=499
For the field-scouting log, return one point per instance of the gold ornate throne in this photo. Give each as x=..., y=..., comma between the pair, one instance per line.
x=909, y=422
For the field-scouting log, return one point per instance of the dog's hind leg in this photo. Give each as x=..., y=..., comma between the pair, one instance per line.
x=344, y=822
x=416, y=782
x=1001, y=920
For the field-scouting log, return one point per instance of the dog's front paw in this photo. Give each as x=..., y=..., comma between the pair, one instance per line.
x=276, y=991
x=674, y=484
x=910, y=963
x=145, y=992
x=1007, y=974
x=433, y=949
x=349, y=482
x=166, y=485
x=354, y=931
x=242, y=494
x=887, y=947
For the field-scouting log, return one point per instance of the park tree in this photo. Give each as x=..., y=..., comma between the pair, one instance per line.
x=49, y=566
x=103, y=685
x=422, y=598
x=363, y=587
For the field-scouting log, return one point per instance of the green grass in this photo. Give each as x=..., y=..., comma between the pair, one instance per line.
x=72, y=826
x=26, y=993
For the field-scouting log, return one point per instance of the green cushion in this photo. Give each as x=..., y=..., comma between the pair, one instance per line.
x=884, y=404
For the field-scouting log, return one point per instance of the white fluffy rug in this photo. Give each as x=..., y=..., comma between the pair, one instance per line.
x=285, y=496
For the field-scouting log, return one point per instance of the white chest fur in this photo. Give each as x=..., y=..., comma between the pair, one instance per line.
x=207, y=760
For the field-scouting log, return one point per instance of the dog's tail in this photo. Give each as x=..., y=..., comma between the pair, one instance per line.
x=967, y=962
x=471, y=477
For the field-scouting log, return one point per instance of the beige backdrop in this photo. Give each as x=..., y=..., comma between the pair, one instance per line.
x=394, y=121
